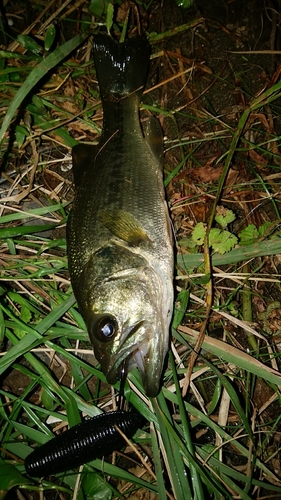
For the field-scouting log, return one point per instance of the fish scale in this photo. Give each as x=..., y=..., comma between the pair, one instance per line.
x=120, y=249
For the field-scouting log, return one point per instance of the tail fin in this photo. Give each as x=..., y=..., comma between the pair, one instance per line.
x=121, y=67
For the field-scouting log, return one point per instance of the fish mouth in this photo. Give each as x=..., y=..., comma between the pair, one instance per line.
x=147, y=355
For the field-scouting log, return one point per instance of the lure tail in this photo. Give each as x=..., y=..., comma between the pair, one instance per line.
x=121, y=68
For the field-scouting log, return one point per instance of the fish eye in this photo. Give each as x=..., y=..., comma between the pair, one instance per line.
x=107, y=327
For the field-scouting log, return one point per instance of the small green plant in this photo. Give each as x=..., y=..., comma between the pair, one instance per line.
x=250, y=234
x=221, y=239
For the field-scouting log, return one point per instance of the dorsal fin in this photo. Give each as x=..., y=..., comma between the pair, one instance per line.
x=83, y=157
x=154, y=137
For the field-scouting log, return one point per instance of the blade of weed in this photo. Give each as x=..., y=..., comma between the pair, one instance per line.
x=233, y=396
x=13, y=232
x=34, y=336
x=11, y=477
x=260, y=249
x=217, y=429
x=114, y=471
x=34, y=213
x=175, y=467
x=156, y=38
x=37, y=74
x=157, y=464
x=232, y=355
x=198, y=492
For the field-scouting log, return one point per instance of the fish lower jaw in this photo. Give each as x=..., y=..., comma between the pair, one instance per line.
x=129, y=361
x=135, y=360
x=141, y=358
x=150, y=371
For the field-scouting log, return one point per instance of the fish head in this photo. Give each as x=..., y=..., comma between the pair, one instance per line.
x=128, y=316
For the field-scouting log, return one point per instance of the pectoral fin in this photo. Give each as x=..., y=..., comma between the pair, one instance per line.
x=123, y=225
x=83, y=157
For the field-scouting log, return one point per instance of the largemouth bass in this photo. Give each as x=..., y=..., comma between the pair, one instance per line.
x=120, y=247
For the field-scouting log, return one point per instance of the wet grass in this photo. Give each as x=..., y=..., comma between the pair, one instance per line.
x=213, y=431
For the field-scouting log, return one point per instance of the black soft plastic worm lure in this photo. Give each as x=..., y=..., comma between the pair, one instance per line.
x=93, y=438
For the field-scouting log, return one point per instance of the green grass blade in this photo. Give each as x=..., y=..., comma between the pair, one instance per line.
x=40, y=71
x=198, y=492
x=34, y=336
x=113, y=470
x=231, y=354
x=13, y=232
x=260, y=249
x=34, y=213
x=157, y=464
x=180, y=482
